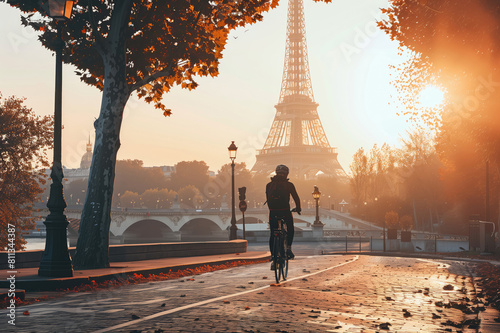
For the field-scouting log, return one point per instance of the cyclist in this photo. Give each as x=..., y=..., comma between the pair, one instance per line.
x=278, y=193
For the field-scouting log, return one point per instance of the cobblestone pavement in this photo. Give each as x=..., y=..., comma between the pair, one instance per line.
x=322, y=294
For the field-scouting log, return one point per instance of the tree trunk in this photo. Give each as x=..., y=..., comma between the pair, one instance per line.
x=93, y=238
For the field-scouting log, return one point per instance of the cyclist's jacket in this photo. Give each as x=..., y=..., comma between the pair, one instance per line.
x=278, y=193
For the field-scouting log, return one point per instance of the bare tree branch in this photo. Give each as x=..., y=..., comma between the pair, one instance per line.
x=166, y=72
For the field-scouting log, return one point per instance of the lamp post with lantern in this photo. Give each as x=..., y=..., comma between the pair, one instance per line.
x=316, y=195
x=56, y=261
x=317, y=226
x=232, y=155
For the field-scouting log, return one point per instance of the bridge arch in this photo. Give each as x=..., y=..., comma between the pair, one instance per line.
x=148, y=231
x=250, y=220
x=201, y=228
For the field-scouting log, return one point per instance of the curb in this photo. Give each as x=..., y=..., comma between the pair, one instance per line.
x=60, y=284
x=19, y=293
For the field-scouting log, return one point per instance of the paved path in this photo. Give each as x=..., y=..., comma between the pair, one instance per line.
x=323, y=293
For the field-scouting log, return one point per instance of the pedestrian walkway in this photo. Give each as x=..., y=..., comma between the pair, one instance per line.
x=27, y=278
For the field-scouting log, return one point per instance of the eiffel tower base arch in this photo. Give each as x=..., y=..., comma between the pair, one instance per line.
x=304, y=163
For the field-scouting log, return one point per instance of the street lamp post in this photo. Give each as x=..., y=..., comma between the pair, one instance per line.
x=232, y=155
x=55, y=259
x=316, y=195
x=317, y=226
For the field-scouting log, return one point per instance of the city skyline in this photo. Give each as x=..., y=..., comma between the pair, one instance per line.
x=349, y=62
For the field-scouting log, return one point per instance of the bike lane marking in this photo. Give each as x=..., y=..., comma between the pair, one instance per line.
x=211, y=300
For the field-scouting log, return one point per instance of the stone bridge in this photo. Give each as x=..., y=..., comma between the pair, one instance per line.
x=190, y=225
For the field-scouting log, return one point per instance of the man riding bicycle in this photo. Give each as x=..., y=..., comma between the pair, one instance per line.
x=278, y=193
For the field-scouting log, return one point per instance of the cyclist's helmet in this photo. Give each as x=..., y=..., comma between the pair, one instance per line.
x=282, y=170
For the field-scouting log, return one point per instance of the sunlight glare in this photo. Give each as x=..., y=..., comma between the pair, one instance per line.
x=431, y=97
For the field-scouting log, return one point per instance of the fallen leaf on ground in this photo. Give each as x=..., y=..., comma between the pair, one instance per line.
x=384, y=326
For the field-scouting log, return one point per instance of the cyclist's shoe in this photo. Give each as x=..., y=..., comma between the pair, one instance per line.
x=273, y=266
x=290, y=254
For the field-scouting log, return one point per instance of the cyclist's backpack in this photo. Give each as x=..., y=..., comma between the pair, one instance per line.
x=278, y=195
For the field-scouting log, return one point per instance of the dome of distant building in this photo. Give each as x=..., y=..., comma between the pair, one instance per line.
x=87, y=157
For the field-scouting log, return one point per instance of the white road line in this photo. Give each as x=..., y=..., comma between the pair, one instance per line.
x=435, y=262
x=185, y=307
x=140, y=290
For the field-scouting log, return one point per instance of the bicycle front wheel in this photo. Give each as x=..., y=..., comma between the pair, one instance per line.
x=276, y=258
x=281, y=268
x=285, y=268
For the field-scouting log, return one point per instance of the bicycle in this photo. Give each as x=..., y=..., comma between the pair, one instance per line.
x=279, y=257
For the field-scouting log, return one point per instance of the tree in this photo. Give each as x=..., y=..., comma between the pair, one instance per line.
x=132, y=176
x=130, y=200
x=167, y=198
x=222, y=182
x=75, y=191
x=420, y=167
x=406, y=222
x=189, y=173
x=158, y=199
x=190, y=197
x=24, y=140
x=361, y=171
x=127, y=46
x=391, y=219
x=456, y=45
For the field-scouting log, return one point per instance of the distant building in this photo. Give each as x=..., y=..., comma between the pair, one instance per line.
x=167, y=170
x=87, y=157
x=83, y=172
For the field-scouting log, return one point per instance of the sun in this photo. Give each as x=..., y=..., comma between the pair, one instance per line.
x=431, y=97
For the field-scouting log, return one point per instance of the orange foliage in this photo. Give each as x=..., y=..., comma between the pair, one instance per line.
x=24, y=141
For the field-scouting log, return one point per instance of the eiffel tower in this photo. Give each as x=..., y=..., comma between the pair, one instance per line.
x=297, y=138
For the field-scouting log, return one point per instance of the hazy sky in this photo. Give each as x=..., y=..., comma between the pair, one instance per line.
x=348, y=58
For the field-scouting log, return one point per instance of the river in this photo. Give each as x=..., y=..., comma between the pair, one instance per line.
x=35, y=243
